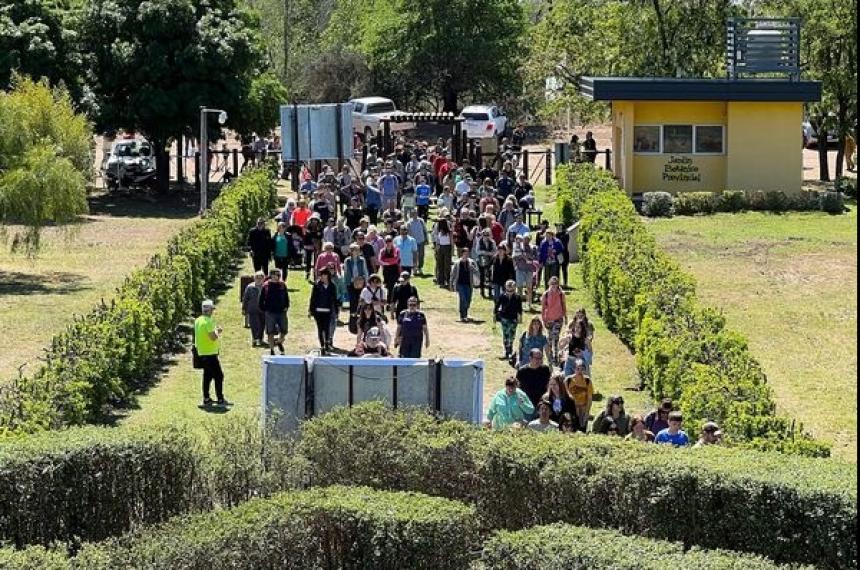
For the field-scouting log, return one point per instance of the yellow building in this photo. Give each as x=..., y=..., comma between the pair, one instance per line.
x=679, y=135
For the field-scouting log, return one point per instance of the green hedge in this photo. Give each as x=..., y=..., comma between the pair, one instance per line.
x=90, y=483
x=786, y=507
x=100, y=359
x=338, y=527
x=689, y=203
x=565, y=547
x=683, y=350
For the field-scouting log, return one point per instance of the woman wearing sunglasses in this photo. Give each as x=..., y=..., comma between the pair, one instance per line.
x=613, y=415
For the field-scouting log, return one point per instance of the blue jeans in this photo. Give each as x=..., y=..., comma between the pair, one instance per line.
x=464, y=292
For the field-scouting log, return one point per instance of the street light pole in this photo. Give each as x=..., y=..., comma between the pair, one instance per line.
x=204, y=154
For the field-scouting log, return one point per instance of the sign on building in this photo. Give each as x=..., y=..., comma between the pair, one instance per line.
x=316, y=132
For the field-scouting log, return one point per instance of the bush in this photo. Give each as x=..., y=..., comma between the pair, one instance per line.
x=565, y=547
x=338, y=527
x=574, y=182
x=103, y=357
x=657, y=204
x=90, y=483
x=848, y=186
x=832, y=202
x=34, y=558
x=688, y=203
x=681, y=350
x=785, y=507
x=731, y=201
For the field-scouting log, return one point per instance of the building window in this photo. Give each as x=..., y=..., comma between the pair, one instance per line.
x=646, y=139
x=709, y=139
x=678, y=139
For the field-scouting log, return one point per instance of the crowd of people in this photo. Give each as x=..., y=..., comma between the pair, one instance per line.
x=359, y=238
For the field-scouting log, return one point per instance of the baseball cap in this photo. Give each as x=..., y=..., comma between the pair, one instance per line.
x=405, y=274
x=207, y=304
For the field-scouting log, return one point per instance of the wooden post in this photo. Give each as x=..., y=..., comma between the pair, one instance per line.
x=525, y=161
x=608, y=159
x=179, y=159
x=197, y=170
x=235, y=162
x=548, y=169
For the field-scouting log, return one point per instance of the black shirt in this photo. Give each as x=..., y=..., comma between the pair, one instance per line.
x=464, y=275
x=509, y=307
x=576, y=343
x=353, y=217
x=260, y=241
x=534, y=381
x=503, y=270
x=369, y=253
x=401, y=294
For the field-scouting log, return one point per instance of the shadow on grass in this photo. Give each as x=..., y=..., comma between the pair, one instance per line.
x=175, y=205
x=52, y=283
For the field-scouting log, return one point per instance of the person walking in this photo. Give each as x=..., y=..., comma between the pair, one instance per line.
x=274, y=303
x=509, y=313
x=401, y=293
x=442, y=243
x=207, y=343
x=281, y=249
x=251, y=308
x=417, y=229
x=323, y=308
x=580, y=389
x=464, y=278
x=589, y=147
x=509, y=406
x=408, y=248
x=389, y=259
x=412, y=330
x=550, y=255
x=260, y=244
x=554, y=314
x=502, y=271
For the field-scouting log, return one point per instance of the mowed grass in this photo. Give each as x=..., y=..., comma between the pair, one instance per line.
x=177, y=396
x=788, y=282
x=76, y=267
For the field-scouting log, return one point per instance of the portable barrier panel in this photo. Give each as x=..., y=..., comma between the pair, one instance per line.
x=299, y=387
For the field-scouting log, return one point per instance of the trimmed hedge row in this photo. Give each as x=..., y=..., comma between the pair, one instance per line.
x=338, y=527
x=683, y=350
x=662, y=204
x=788, y=508
x=85, y=484
x=100, y=359
x=565, y=547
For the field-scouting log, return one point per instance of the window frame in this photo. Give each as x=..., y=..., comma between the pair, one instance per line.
x=659, y=141
x=692, y=137
x=722, y=140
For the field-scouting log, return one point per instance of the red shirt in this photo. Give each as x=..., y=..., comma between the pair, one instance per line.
x=438, y=162
x=498, y=232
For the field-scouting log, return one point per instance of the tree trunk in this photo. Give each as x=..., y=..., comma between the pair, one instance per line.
x=180, y=159
x=162, y=167
x=449, y=100
x=840, y=156
x=823, y=167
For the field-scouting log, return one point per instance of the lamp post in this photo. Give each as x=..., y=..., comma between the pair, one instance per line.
x=204, y=153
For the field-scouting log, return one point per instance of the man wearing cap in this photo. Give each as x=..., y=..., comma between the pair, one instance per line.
x=673, y=434
x=260, y=243
x=711, y=435
x=207, y=343
x=274, y=302
x=412, y=330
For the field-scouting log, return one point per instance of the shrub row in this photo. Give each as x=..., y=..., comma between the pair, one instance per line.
x=786, y=507
x=565, y=547
x=683, y=350
x=88, y=483
x=656, y=204
x=338, y=527
x=100, y=359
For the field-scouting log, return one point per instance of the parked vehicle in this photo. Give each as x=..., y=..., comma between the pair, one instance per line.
x=484, y=121
x=367, y=115
x=130, y=163
x=810, y=137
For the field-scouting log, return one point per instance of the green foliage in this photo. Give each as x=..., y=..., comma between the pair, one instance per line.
x=832, y=202
x=574, y=183
x=682, y=351
x=687, y=203
x=731, y=201
x=847, y=186
x=103, y=357
x=566, y=547
x=259, y=111
x=657, y=204
x=34, y=558
x=85, y=484
x=44, y=159
x=337, y=527
x=35, y=42
x=786, y=507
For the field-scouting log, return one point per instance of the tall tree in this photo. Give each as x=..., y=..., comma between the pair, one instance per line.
x=45, y=159
x=259, y=110
x=153, y=63
x=35, y=41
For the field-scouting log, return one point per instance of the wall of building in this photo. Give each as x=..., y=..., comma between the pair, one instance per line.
x=761, y=143
x=764, y=146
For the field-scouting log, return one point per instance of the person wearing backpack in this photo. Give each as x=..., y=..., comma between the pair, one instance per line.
x=554, y=314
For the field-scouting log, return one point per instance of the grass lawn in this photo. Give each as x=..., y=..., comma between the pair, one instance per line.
x=74, y=270
x=177, y=395
x=788, y=282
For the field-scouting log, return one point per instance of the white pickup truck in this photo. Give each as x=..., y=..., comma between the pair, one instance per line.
x=368, y=112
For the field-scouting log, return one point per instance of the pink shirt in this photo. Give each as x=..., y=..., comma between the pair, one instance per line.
x=553, y=305
x=324, y=259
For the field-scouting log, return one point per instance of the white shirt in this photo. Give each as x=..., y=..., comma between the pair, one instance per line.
x=463, y=187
